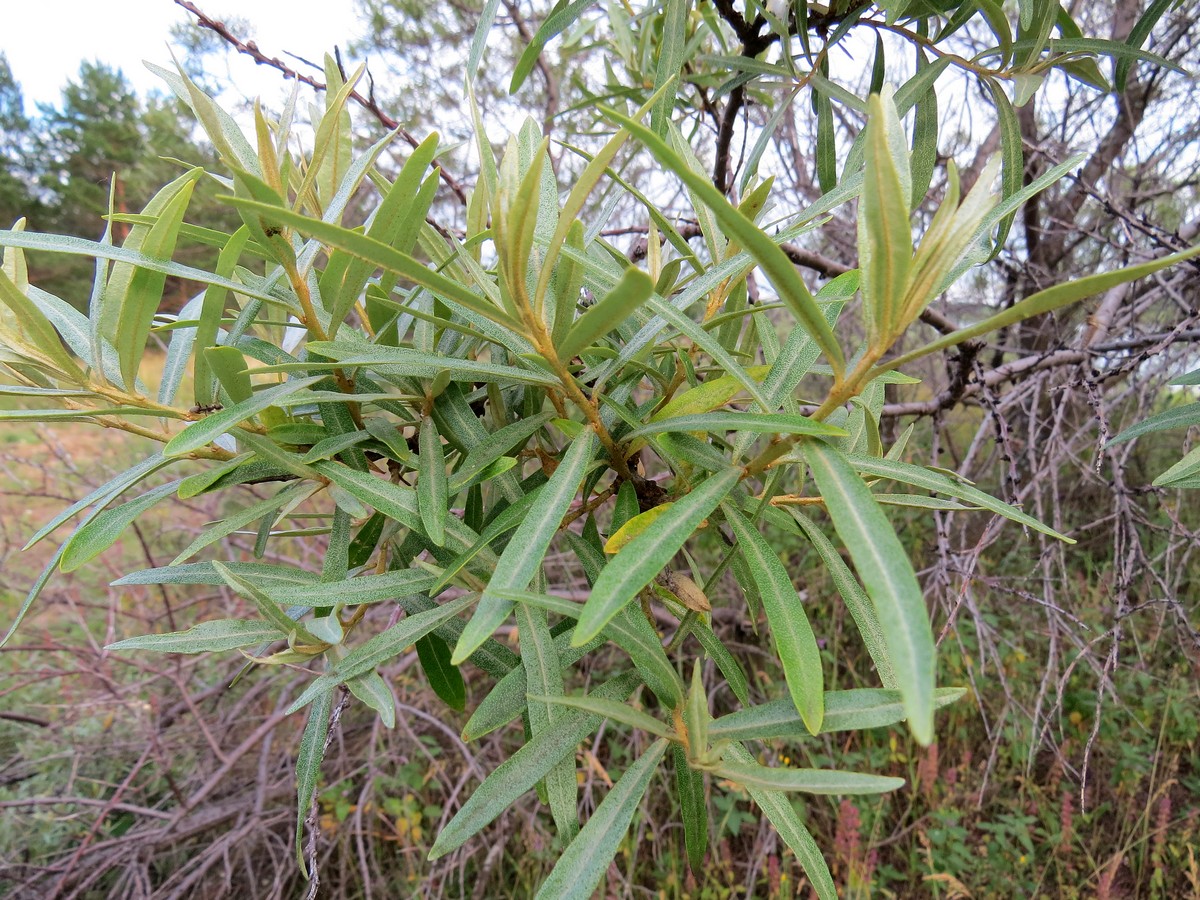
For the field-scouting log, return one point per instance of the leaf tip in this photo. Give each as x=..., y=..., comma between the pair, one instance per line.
x=583, y=633
x=921, y=727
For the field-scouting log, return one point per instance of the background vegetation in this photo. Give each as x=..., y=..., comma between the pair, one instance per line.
x=1070, y=769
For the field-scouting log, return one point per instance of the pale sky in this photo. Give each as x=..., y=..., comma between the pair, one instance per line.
x=45, y=40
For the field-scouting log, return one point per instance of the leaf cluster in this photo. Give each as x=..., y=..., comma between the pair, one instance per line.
x=452, y=407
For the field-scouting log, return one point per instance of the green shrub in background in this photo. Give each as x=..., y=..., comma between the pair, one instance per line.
x=1186, y=472
x=447, y=405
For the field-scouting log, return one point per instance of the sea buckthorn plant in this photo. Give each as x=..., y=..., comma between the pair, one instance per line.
x=450, y=402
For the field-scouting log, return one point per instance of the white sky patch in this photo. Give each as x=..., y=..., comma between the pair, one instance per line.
x=46, y=40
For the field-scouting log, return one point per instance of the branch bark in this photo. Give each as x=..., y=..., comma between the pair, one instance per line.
x=369, y=103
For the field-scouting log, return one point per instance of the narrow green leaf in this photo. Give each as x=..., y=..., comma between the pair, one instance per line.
x=918, y=476
x=765, y=251
x=211, y=311
x=493, y=657
x=396, y=223
x=75, y=246
x=794, y=638
x=826, y=149
x=648, y=554
x=34, y=592
x=878, y=66
x=727, y=663
x=269, y=453
x=31, y=322
x=671, y=55
x=308, y=766
x=220, y=476
x=207, y=637
x=1187, y=379
x=625, y=508
x=1045, y=301
x=611, y=709
x=432, y=495
x=377, y=253
x=457, y=423
x=559, y=19
x=372, y=690
x=103, y=495
x=264, y=576
x=920, y=501
x=266, y=607
x=567, y=282
x=381, y=648
x=220, y=126
x=55, y=415
x=1099, y=46
x=924, y=139
x=1137, y=36
x=1012, y=156
x=179, y=351
x=853, y=710
x=414, y=363
x=887, y=574
x=508, y=700
x=505, y=521
x=349, y=592
x=853, y=596
x=734, y=420
x=503, y=442
x=710, y=344
x=479, y=41
x=331, y=149
x=808, y=781
x=444, y=677
x=597, y=168
x=102, y=532
x=287, y=496
x=326, y=448
x=132, y=295
x=396, y=501
x=716, y=241
x=634, y=288
x=228, y=366
x=1183, y=473
x=1175, y=417
x=766, y=138
x=696, y=715
x=20, y=390
x=585, y=861
x=521, y=771
x=516, y=217
x=523, y=556
x=630, y=631
x=778, y=809
x=707, y=396
x=208, y=429
x=544, y=681
x=885, y=246
x=693, y=808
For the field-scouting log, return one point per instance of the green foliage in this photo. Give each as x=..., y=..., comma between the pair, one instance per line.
x=452, y=406
x=1186, y=472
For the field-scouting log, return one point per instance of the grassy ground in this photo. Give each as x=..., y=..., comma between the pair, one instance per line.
x=127, y=775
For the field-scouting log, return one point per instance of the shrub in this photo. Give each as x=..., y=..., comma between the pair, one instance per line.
x=448, y=405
